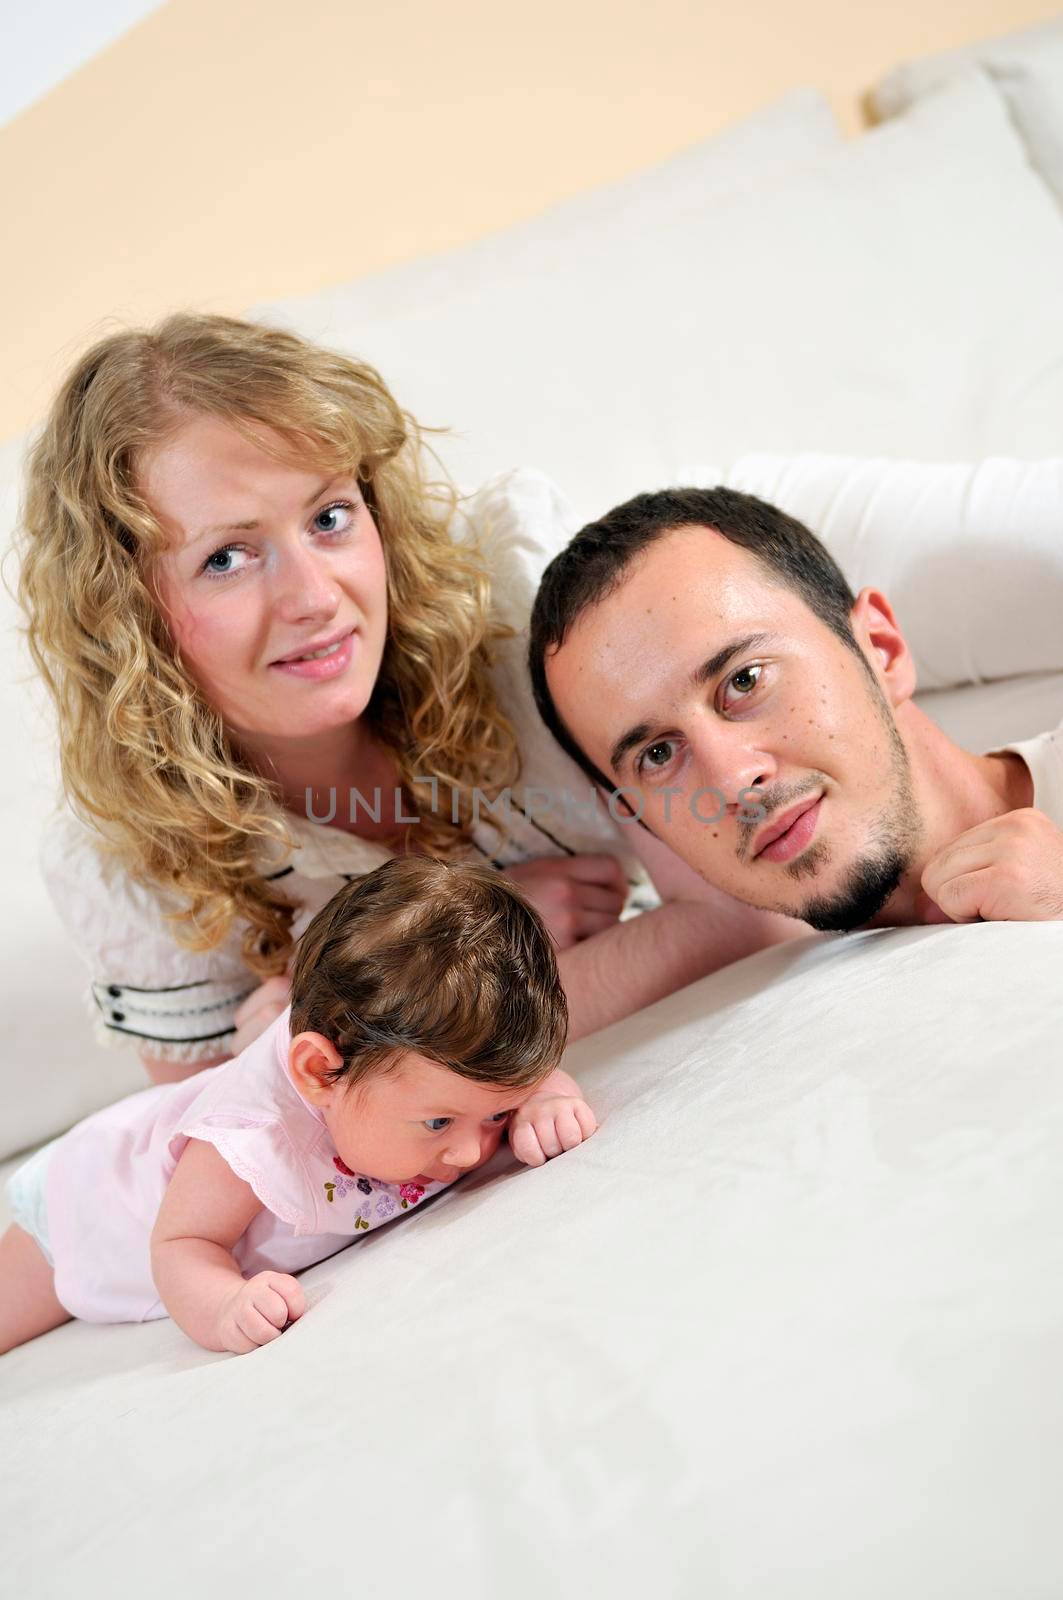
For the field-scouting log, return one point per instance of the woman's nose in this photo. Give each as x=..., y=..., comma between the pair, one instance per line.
x=305, y=586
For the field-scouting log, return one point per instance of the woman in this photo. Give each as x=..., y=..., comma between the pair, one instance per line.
x=274, y=661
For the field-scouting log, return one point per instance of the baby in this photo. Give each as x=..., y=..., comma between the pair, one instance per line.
x=427, y=1021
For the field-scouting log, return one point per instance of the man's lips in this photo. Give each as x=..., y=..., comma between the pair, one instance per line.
x=788, y=834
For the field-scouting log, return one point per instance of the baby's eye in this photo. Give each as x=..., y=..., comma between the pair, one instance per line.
x=343, y=509
x=500, y=1116
x=221, y=563
x=437, y=1124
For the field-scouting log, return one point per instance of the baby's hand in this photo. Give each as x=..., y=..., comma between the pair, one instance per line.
x=555, y=1118
x=257, y=1311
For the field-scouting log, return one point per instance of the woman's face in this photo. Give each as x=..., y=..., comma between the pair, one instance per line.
x=273, y=582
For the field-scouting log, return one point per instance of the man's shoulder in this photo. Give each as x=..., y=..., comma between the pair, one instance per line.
x=1043, y=757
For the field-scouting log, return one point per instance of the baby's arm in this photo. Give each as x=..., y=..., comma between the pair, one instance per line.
x=205, y=1210
x=555, y=1118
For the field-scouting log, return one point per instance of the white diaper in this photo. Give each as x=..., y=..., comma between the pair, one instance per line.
x=25, y=1196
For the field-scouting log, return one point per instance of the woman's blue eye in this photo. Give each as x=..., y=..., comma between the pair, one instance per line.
x=331, y=511
x=437, y=1124
x=224, y=555
x=220, y=564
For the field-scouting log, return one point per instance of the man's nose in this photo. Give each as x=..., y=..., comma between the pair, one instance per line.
x=731, y=760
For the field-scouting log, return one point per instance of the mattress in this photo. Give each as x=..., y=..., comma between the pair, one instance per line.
x=788, y=1325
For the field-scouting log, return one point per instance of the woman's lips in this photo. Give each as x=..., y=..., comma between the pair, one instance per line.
x=320, y=667
x=796, y=838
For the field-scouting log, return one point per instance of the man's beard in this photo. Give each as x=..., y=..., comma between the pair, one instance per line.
x=873, y=877
x=869, y=884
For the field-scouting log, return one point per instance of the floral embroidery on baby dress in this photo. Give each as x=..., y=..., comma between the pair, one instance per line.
x=389, y=1197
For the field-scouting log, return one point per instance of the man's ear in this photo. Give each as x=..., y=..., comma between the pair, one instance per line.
x=882, y=642
x=311, y=1057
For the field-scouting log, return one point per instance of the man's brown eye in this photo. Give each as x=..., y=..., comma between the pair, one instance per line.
x=751, y=675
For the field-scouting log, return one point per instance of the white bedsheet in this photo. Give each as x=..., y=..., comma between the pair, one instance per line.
x=789, y=1325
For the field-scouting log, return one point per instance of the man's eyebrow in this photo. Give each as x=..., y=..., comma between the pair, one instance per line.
x=701, y=675
x=247, y=527
x=627, y=741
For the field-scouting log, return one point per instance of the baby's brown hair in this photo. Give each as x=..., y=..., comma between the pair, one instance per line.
x=444, y=959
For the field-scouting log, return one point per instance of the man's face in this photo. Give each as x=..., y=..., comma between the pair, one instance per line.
x=700, y=679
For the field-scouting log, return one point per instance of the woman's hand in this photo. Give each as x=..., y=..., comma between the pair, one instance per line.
x=262, y=1006
x=258, y=1311
x=575, y=895
x=554, y=1119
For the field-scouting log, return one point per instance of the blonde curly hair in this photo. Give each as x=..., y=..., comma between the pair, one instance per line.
x=145, y=759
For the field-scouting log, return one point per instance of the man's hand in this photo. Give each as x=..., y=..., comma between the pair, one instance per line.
x=1009, y=869
x=555, y=1118
x=258, y=1310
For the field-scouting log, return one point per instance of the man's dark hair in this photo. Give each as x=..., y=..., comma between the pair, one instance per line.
x=595, y=561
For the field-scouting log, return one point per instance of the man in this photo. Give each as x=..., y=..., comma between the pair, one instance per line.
x=702, y=657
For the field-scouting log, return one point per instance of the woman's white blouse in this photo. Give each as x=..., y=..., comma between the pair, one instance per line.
x=147, y=989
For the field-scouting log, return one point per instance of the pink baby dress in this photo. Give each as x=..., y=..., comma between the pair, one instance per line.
x=106, y=1179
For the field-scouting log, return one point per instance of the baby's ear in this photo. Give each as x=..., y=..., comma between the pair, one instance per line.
x=311, y=1058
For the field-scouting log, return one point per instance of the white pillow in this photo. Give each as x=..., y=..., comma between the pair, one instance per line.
x=900, y=295
x=797, y=128
x=1027, y=67
x=970, y=556
x=987, y=715
x=52, y=1071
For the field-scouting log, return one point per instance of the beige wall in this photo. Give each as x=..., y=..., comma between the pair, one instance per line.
x=226, y=151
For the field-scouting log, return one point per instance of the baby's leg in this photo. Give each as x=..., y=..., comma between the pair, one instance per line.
x=28, y=1305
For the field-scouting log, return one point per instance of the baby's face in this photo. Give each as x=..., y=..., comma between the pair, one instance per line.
x=416, y=1122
